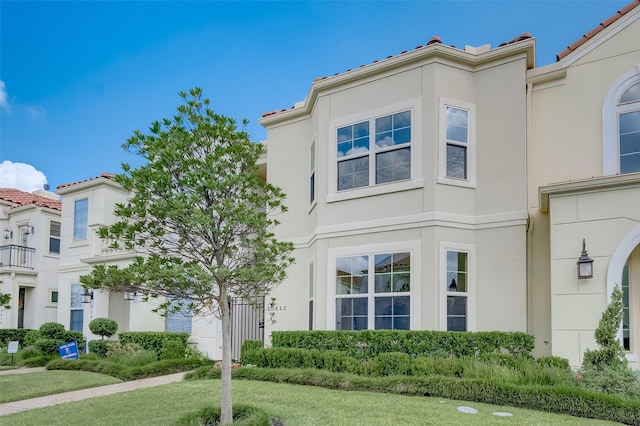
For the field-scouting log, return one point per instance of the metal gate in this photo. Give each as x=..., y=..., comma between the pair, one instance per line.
x=247, y=322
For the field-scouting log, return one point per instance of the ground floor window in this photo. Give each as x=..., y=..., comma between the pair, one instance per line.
x=631, y=301
x=178, y=317
x=77, y=313
x=372, y=291
x=456, y=287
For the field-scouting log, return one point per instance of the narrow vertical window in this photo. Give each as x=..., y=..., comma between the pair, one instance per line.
x=626, y=317
x=629, y=129
x=457, y=142
x=311, y=293
x=457, y=291
x=77, y=313
x=54, y=237
x=312, y=175
x=178, y=318
x=80, y=219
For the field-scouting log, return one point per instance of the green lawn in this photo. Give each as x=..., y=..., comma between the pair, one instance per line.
x=295, y=405
x=16, y=387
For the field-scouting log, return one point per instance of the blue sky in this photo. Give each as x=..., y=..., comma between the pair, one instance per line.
x=77, y=78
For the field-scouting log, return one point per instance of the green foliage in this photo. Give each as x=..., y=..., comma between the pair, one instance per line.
x=48, y=346
x=98, y=347
x=52, y=330
x=37, y=361
x=366, y=344
x=153, y=340
x=616, y=381
x=31, y=336
x=103, y=327
x=12, y=335
x=610, y=353
x=393, y=363
x=126, y=371
x=5, y=299
x=242, y=415
x=173, y=349
x=573, y=401
x=129, y=353
x=555, y=362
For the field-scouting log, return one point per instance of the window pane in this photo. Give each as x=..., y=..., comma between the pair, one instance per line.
x=351, y=274
x=402, y=119
x=54, y=297
x=457, y=124
x=394, y=165
x=402, y=136
x=54, y=245
x=383, y=323
x=401, y=282
x=630, y=142
x=312, y=187
x=383, y=124
x=401, y=262
x=383, y=283
x=54, y=229
x=384, y=139
x=353, y=139
x=360, y=306
x=456, y=271
x=345, y=134
x=353, y=173
x=630, y=163
x=312, y=157
x=401, y=323
x=630, y=122
x=76, y=300
x=80, y=217
x=456, y=313
x=75, y=323
x=360, y=323
x=178, y=321
x=632, y=94
x=401, y=305
x=392, y=313
x=456, y=161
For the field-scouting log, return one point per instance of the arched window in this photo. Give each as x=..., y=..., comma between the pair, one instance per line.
x=621, y=126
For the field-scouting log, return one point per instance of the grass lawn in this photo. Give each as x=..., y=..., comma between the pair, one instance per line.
x=295, y=405
x=16, y=387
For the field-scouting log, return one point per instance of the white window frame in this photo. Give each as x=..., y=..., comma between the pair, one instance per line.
x=78, y=306
x=471, y=282
x=50, y=301
x=55, y=237
x=415, y=275
x=470, y=181
x=415, y=180
x=75, y=220
x=311, y=269
x=313, y=175
x=610, y=112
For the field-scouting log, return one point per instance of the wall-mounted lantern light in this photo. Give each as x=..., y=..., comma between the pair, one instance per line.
x=8, y=233
x=585, y=263
x=129, y=294
x=86, y=296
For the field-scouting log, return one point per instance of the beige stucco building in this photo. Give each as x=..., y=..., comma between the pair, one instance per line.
x=29, y=253
x=451, y=189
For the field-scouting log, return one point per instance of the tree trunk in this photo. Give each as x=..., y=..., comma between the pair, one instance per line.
x=226, y=415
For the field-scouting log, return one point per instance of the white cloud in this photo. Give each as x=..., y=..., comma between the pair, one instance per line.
x=4, y=103
x=21, y=176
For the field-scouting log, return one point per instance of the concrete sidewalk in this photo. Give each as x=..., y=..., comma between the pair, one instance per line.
x=61, y=398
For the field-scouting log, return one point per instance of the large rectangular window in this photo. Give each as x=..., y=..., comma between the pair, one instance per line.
x=375, y=151
x=457, y=143
x=457, y=291
x=77, y=312
x=54, y=237
x=372, y=291
x=80, y=219
x=457, y=140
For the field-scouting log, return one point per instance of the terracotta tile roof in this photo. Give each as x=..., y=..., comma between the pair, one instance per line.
x=102, y=175
x=604, y=24
x=433, y=40
x=22, y=198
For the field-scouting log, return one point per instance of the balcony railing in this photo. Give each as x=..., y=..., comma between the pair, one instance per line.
x=12, y=255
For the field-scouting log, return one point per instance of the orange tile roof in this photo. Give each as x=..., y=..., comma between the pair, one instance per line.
x=22, y=198
x=433, y=40
x=105, y=175
x=604, y=24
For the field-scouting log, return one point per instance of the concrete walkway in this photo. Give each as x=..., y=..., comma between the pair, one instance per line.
x=61, y=398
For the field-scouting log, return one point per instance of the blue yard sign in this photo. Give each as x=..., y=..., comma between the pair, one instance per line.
x=69, y=350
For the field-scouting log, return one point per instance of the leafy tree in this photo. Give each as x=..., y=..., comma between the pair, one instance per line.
x=200, y=218
x=5, y=298
x=103, y=327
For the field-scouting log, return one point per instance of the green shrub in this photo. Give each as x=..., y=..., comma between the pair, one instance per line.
x=30, y=352
x=31, y=336
x=242, y=415
x=37, y=361
x=12, y=335
x=555, y=362
x=172, y=349
x=103, y=327
x=52, y=330
x=48, y=346
x=367, y=344
x=152, y=340
x=131, y=354
x=98, y=347
x=617, y=381
x=393, y=363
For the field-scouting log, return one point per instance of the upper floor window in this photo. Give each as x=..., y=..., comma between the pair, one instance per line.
x=621, y=126
x=374, y=151
x=629, y=129
x=312, y=174
x=80, y=219
x=54, y=237
x=457, y=143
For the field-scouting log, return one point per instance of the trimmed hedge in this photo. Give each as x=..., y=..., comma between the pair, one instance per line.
x=365, y=344
x=125, y=372
x=98, y=347
x=153, y=340
x=556, y=399
x=13, y=334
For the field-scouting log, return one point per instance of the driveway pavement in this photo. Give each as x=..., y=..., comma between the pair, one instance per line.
x=61, y=398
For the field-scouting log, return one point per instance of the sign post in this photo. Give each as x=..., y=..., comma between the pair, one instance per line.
x=12, y=349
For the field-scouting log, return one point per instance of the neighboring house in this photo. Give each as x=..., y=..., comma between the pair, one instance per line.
x=86, y=206
x=29, y=253
x=451, y=189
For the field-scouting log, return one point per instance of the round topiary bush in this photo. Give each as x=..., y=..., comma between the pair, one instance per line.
x=242, y=415
x=52, y=330
x=103, y=327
